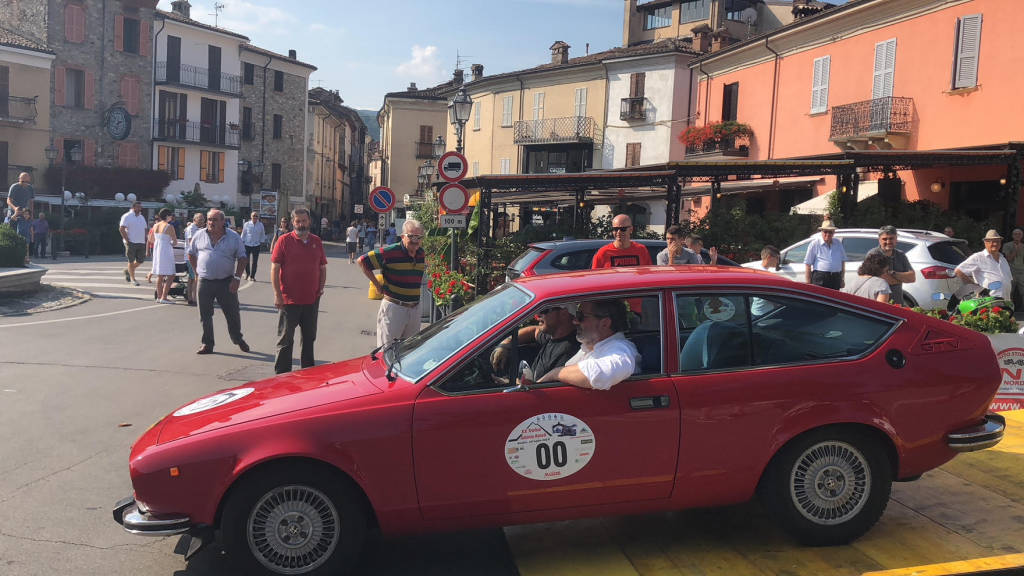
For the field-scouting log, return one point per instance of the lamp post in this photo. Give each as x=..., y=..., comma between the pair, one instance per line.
x=51, y=156
x=459, y=108
x=75, y=155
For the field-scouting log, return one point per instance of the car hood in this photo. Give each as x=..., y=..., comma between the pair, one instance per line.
x=285, y=393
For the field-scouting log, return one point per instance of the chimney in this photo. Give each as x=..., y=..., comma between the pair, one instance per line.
x=181, y=8
x=293, y=54
x=457, y=77
x=560, y=53
x=721, y=39
x=412, y=87
x=477, y=70
x=701, y=37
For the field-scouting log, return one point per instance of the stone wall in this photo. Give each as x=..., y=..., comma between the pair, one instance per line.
x=26, y=17
x=288, y=150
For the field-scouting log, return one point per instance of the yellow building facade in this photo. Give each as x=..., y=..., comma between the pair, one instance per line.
x=653, y=20
x=409, y=123
x=24, y=108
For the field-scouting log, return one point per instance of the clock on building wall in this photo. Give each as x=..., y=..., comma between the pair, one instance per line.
x=119, y=123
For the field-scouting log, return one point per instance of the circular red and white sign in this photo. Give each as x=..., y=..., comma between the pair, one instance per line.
x=454, y=198
x=452, y=166
x=550, y=446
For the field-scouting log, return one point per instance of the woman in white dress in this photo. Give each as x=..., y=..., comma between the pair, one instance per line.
x=164, y=240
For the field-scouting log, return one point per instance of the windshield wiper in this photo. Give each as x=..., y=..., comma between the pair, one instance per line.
x=373, y=353
x=396, y=350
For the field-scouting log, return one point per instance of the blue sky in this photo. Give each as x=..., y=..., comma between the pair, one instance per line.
x=365, y=49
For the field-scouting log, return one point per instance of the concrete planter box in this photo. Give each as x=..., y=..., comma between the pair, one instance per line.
x=17, y=280
x=1009, y=349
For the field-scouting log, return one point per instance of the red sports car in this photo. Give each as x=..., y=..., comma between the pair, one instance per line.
x=748, y=384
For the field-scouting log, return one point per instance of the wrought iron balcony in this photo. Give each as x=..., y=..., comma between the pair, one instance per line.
x=569, y=129
x=632, y=109
x=726, y=147
x=195, y=132
x=424, y=149
x=18, y=110
x=196, y=77
x=872, y=122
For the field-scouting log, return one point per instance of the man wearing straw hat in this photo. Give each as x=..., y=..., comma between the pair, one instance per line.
x=824, y=262
x=988, y=266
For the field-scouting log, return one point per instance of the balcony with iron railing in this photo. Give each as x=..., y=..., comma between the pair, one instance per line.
x=565, y=130
x=17, y=110
x=172, y=130
x=424, y=149
x=196, y=77
x=882, y=123
x=632, y=109
x=719, y=149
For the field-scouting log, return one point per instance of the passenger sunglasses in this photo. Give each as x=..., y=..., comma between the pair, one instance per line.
x=580, y=315
x=413, y=236
x=620, y=228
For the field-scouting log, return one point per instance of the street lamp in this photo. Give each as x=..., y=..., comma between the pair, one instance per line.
x=459, y=109
x=439, y=145
x=75, y=155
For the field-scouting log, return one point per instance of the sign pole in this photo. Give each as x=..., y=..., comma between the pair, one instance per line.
x=452, y=167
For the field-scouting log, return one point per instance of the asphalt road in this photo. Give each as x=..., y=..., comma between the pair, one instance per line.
x=78, y=385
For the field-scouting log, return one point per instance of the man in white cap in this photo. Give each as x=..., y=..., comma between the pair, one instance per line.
x=825, y=261
x=988, y=266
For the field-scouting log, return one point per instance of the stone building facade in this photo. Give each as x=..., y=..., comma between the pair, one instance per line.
x=101, y=76
x=336, y=162
x=273, y=121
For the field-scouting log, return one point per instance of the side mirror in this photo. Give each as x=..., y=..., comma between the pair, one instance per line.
x=525, y=378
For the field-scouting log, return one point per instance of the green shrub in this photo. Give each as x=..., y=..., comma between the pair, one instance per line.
x=13, y=248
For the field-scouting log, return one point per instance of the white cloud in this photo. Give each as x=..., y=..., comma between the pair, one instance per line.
x=424, y=66
x=247, y=18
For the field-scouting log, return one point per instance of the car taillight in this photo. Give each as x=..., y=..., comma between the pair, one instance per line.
x=938, y=273
x=529, y=270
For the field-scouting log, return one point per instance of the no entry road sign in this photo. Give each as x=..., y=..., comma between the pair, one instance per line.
x=382, y=199
x=454, y=198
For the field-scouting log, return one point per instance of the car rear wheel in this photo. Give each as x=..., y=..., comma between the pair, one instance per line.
x=299, y=521
x=828, y=487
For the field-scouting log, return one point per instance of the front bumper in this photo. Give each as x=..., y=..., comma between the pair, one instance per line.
x=135, y=521
x=979, y=437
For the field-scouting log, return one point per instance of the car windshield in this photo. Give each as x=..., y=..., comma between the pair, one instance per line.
x=950, y=252
x=439, y=341
x=525, y=259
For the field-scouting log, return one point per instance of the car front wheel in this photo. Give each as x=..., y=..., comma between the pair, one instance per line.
x=295, y=522
x=828, y=487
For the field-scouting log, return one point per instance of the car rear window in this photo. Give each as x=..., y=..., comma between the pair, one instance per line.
x=577, y=260
x=524, y=260
x=950, y=252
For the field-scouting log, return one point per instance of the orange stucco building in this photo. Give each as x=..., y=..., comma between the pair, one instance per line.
x=890, y=83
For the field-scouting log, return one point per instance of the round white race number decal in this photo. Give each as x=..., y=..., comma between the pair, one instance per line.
x=214, y=401
x=550, y=446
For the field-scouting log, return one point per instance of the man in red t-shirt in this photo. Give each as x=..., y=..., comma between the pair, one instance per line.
x=298, y=271
x=623, y=252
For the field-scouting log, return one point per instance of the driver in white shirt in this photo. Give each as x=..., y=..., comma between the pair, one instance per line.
x=605, y=357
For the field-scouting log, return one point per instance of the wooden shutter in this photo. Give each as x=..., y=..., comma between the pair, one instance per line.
x=968, y=49
x=636, y=84
x=130, y=93
x=144, y=38
x=426, y=133
x=204, y=165
x=162, y=153
x=181, y=163
x=89, y=158
x=79, y=13
x=58, y=85
x=885, y=66
x=220, y=166
x=5, y=85
x=90, y=90
x=819, y=85
x=59, y=143
x=69, y=23
x=632, y=154
x=119, y=33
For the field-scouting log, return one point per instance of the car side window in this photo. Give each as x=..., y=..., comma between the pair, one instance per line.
x=578, y=260
x=713, y=331
x=793, y=330
x=857, y=248
x=795, y=255
x=645, y=333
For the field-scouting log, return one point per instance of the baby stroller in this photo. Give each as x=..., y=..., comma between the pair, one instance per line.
x=182, y=274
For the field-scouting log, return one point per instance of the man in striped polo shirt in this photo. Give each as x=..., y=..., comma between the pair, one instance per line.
x=402, y=265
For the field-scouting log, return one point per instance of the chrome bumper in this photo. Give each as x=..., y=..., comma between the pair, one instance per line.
x=984, y=435
x=135, y=521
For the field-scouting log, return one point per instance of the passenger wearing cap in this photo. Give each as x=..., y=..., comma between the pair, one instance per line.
x=988, y=266
x=900, y=271
x=605, y=357
x=825, y=261
x=556, y=335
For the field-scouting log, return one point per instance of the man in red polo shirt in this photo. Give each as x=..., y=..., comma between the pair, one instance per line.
x=298, y=271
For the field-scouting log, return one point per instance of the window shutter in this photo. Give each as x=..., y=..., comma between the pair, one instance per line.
x=161, y=158
x=90, y=89
x=58, y=85
x=885, y=65
x=144, y=38
x=136, y=95
x=220, y=166
x=819, y=85
x=79, y=13
x=119, y=33
x=581, y=102
x=181, y=163
x=476, y=115
x=90, y=153
x=69, y=23
x=204, y=165
x=967, y=52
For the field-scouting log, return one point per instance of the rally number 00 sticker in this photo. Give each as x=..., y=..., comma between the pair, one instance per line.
x=550, y=446
x=214, y=401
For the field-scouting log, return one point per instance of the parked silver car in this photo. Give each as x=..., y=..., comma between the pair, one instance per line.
x=933, y=256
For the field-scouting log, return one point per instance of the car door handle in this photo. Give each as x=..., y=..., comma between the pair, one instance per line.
x=649, y=402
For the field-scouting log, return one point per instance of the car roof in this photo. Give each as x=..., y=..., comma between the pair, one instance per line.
x=587, y=243
x=901, y=233
x=653, y=277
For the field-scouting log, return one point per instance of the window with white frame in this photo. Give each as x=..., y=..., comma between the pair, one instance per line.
x=538, y=105
x=506, y=166
x=506, y=111
x=885, y=67
x=476, y=115
x=968, y=50
x=819, y=85
x=581, y=102
x=476, y=168
x=658, y=18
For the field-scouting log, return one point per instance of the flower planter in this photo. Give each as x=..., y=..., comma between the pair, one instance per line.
x=1009, y=350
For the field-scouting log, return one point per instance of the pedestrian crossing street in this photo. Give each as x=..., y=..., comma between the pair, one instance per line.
x=102, y=280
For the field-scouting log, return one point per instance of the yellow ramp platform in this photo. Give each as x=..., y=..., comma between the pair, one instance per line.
x=967, y=516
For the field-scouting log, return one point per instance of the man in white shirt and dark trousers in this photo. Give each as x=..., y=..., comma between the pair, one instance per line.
x=605, y=357
x=988, y=266
x=133, y=228
x=253, y=236
x=825, y=262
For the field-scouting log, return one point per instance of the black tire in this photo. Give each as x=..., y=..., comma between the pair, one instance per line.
x=321, y=523
x=850, y=482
